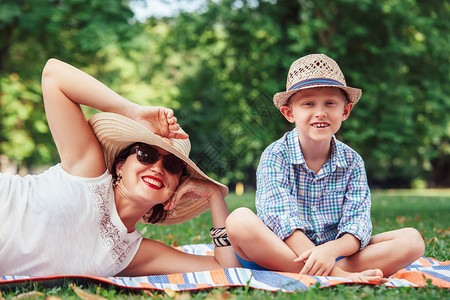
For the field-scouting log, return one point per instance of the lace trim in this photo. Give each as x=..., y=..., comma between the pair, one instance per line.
x=110, y=234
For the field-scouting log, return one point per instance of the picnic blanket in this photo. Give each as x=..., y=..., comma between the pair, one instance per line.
x=422, y=272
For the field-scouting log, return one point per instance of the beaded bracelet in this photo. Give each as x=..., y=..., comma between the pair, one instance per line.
x=219, y=237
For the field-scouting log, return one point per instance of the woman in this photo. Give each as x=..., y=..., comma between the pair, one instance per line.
x=126, y=164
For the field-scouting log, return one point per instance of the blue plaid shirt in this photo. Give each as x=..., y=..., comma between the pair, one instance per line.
x=325, y=205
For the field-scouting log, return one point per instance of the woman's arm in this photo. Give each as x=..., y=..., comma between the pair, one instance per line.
x=157, y=258
x=65, y=88
x=195, y=188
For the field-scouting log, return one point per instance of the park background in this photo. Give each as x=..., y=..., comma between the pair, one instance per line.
x=218, y=64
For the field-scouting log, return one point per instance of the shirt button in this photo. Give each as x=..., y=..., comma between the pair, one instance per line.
x=313, y=208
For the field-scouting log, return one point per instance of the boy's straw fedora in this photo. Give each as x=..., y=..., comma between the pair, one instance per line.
x=116, y=132
x=314, y=70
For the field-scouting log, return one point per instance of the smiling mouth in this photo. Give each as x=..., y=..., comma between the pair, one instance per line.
x=320, y=125
x=153, y=182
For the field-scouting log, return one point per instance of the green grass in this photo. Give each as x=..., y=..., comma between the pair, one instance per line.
x=425, y=210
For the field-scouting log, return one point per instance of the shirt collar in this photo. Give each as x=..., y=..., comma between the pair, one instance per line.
x=296, y=155
x=295, y=152
x=337, y=153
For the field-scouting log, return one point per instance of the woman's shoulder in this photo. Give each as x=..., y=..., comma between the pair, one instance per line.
x=60, y=171
x=57, y=180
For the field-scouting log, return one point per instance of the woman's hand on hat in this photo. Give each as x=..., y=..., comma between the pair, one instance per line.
x=160, y=121
x=192, y=188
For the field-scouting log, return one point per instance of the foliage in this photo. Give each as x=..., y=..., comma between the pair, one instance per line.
x=220, y=66
x=81, y=32
x=228, y=61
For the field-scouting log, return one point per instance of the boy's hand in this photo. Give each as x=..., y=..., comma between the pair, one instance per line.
x=318, y=260
x=159, y=120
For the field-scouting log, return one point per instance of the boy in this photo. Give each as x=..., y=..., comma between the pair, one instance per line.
x=312, y=199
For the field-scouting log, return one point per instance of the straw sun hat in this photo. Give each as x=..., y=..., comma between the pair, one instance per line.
x=116, y=132
x=314, y=70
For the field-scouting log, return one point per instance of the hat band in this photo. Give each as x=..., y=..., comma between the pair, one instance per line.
x=314, y=81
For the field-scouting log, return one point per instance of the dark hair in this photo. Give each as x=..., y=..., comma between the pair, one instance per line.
x=345, y=95
x=157, y=213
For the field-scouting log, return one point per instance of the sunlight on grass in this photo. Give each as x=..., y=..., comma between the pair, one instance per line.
x=413, y=192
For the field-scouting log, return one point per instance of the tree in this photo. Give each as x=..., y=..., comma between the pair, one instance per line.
x=238, y=51
x=80, y=32
x=220, y=66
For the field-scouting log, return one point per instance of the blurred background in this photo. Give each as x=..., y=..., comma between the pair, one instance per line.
x=218, y=64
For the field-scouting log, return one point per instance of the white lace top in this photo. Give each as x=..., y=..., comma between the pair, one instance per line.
x=58, y=224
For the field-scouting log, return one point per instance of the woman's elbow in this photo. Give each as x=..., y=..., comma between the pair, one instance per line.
x=50, y=67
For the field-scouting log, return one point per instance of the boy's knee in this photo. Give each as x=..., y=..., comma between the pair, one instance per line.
x=239, y=221
x=415, y=246
x=240, y=217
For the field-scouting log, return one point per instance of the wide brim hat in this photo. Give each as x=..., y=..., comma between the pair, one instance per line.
x=116, y=132
x=312, y=71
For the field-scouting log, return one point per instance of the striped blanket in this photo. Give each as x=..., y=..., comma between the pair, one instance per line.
x=420, y=273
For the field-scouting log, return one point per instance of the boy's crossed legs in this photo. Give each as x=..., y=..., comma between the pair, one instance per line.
x=389, y=251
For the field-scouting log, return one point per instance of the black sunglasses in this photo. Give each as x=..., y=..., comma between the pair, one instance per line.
x=147, y=155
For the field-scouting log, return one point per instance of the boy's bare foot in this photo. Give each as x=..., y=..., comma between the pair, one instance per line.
x=372, y=275
x=373, y=272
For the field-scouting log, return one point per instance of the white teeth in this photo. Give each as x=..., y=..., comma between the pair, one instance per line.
x=320, y=125
x=153, y=182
